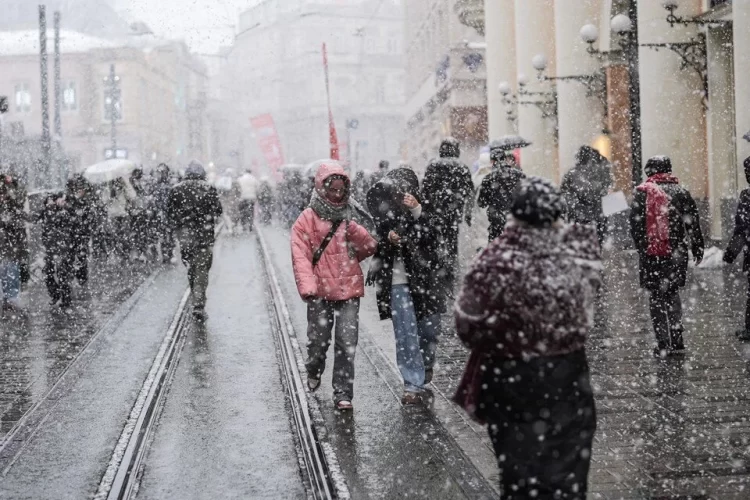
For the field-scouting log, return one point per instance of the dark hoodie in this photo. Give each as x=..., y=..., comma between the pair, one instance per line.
x=741, y=237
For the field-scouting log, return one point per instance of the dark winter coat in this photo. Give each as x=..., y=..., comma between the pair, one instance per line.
x=584, y=186
x=667, y=273
x=194, y=209
x=741, y=236
x=525, y=309
x=498, y=190
x=447, y=191
x=59, y=224
x=13, y=240
x=421, y=248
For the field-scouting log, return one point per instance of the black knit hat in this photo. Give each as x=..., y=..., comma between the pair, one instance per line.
x=538, y=202
x=658, y=165
x=450, y=148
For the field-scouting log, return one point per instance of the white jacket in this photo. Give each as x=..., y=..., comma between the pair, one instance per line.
x=248, y=187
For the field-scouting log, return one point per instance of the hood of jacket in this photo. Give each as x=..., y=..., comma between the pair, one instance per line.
x=327, y=170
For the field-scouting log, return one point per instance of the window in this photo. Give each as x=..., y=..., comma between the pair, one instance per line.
x=23, y=98
x=69, y=96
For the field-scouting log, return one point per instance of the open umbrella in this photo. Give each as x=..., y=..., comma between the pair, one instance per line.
x=109, y=170
x=509, y=143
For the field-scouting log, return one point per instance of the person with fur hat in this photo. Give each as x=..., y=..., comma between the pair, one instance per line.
x=525, y=310
x=329, y=240
x=665, y=224
x=194, y=210
x=740, y=242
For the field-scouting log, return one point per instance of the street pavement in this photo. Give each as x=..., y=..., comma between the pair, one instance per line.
x=224, y=431
x=35, y=351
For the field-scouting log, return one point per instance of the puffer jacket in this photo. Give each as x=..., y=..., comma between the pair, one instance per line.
x=338, y=276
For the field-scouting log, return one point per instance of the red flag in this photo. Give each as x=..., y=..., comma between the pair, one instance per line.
x=333, y=138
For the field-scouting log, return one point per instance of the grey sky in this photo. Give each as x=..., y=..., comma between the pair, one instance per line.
x=203, y=24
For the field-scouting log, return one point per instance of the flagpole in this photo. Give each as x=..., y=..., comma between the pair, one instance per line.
x=333, y=139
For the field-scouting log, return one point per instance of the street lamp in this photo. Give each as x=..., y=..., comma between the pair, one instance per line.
x=626, y=29
x=672, y=19
x=510, y=101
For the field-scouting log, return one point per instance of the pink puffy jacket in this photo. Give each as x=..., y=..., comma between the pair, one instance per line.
x=337, y=276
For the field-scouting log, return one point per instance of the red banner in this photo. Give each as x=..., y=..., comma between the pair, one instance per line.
x=268, y=140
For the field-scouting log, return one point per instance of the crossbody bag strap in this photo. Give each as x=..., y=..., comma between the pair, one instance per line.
x=323, y=244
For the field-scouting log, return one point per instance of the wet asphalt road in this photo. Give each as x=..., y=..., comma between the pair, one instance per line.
x=224, y=431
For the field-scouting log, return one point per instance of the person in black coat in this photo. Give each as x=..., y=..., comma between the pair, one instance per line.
x=741, y=241
x=498, y=189
x=160, y=203
x=83, y=204
x=409, y=276
x=447, y=196
x=584, y=186
x=60, y=229
x=194, y=210
x=665, y=224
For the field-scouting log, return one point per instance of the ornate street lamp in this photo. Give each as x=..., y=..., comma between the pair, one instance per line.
x=672, y=19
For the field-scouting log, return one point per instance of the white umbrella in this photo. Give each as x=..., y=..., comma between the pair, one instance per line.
x=109, y=170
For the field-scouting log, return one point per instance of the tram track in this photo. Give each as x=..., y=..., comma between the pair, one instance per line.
x=317, y=461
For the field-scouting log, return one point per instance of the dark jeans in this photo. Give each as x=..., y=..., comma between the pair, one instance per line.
x=81, y=259
x=497, y=226
x=666, y=316
x=246, y=210
x=166, y=236
x=198, y=260
x=58, y=275
x=321, y=317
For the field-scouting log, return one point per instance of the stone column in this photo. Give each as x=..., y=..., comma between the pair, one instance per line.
x=722, y=161
x=499, y=29
x=535, y=34
x=580, y=117
x=672, y=112
x=741, y=15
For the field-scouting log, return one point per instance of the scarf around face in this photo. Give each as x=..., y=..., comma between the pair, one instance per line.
x=348, y=211
x=657, y=214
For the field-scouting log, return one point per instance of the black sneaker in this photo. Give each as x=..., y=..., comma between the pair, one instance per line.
x=742, y=334
x=427, y=376
x=200, y=316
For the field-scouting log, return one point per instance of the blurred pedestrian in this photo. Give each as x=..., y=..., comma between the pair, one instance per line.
x=265, y=200
x=329, y=240
x=498, y=189
x=13, y=243
x=525, y=310
x=664, y=223
x=584, y=186
x=409, y=277
x=248, y=186
x=741, y=241
x=60, y=230
x=82, y=201
x=194, y=210
x=160, y=206
x=121, y=193
x=448, y=197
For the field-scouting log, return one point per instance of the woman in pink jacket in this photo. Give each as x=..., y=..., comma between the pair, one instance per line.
x=329, y=240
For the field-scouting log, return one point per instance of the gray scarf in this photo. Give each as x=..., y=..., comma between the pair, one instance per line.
x=351, y=211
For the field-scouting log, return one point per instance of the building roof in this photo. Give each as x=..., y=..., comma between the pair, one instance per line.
x=26, y=42
x=93, y=17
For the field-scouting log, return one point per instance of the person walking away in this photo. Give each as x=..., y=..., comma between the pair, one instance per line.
x=81, y=197
x=120, y=195
x=248, y=185
x=741, y=241
x=13, y=243
x=584, y=186
x=160, y=200
x=265, y=200
x=664, y=223
x=329, y=240
x=408, y=276
x=498, y=189
x=138, y=214
x=447, y=197
x=480, y=226
x=525, y=309
x=194, y=210
x=59, y=230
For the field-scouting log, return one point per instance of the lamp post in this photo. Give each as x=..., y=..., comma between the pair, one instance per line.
x=625, y=27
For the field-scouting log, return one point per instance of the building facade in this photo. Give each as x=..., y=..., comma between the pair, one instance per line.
x=446, y=81
x=693, y=93
x=276, y=68
x=162, y=105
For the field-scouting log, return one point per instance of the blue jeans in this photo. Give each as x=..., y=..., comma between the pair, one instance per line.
x=10, y=279
x=406, y=329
